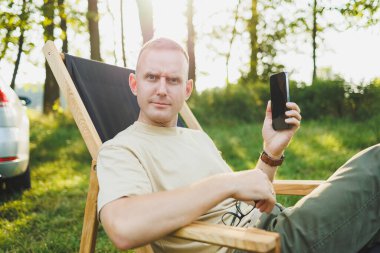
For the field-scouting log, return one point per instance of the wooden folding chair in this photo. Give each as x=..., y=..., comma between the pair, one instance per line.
x=248, y=239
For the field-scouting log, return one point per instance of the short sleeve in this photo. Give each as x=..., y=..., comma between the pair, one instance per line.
x=120, y=174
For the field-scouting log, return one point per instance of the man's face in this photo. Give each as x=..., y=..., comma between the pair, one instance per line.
x=161, y=86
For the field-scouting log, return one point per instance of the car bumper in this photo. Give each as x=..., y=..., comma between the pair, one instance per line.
x=13, y=168
x=14, y=142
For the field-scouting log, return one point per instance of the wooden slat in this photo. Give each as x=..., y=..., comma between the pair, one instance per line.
x=77, y=108
x=189, y=117
x=90, y=221
x=144, y=249
x=249, y=239
x=295, y=187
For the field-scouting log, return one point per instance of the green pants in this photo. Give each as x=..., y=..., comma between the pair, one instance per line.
x=341, y=215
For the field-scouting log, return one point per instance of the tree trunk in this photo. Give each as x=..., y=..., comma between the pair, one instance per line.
x=63, y=25
x=314, y=36
x=122, y=33
x=190, y=40
x=51, y=90
x=114, y=34
x=93, y=27
x=6, y=42
x=17, y=63
x=252, y=28
x=232, y=41
x=146, y=19
x=23, y=17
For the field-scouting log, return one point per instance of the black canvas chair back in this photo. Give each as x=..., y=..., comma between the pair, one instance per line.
x=105, y=93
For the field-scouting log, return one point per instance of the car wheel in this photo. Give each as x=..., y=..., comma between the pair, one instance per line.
x=20, y=182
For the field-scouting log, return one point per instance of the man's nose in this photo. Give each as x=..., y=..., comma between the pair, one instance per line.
x=161, y=90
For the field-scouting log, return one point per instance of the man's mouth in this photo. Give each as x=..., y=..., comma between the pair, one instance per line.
x=160, y=104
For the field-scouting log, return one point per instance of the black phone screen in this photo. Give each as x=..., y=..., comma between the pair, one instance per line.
x=279, y=91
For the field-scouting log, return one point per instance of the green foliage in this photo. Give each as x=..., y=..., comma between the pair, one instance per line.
x=15, y=18
x=336, y=98
x=246, y=102
x=323, y=98
x=361, y=12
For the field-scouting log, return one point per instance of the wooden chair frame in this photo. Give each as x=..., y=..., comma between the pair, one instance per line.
x=248, y=239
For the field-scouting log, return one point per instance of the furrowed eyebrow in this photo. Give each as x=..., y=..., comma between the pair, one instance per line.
x=176, y=78
x=151, y=74
x=167, y=76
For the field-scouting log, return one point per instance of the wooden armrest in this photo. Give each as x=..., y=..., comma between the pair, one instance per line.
x=249, y=239
x=295, y=187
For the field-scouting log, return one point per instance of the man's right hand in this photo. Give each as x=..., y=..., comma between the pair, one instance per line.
x=254, y=185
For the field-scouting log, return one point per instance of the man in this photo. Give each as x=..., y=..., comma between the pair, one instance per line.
x=155, y=177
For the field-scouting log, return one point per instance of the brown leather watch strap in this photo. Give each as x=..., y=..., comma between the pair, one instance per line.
x=270, y=161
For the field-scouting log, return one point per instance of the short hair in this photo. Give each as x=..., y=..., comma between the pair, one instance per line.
x=162, y=43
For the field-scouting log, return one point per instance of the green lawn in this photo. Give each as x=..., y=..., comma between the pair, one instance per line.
x=48, y=218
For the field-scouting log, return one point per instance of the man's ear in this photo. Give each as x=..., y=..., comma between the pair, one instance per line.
x=132, y=83
x=189, y=88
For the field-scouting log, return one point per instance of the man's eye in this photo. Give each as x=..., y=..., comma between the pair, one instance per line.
x=174, y=80
x=151, y=77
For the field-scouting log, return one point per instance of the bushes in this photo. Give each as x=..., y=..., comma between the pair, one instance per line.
x=246, y=102
x=232, y=103
x=336, y=98
x=323, y=98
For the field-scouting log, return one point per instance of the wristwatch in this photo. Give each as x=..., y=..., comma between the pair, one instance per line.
x=270, y=161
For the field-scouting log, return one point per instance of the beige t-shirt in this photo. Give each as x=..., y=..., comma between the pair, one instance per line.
x=143, y=159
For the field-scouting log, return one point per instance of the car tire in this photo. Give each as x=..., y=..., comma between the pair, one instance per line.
x=21, y=182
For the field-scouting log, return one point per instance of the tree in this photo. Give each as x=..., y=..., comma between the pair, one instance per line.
x=110, y=12
x=93, y=28
x=146, y=19
x=252, y=28
x=24, y=16
x=314, y=37
x=268, y=29
x=51, y=90
x=232, y=41
x=122, y=33
x=357, y=14
x=190, y=40
x=7, y=25
x=63, y=25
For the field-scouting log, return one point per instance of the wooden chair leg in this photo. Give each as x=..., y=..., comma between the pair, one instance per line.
x=90, y=221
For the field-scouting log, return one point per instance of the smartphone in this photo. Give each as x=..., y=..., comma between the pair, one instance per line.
x=279, y=93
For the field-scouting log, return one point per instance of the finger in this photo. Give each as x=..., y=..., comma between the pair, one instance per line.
x=294, y=114
x=293, y=106
x=268, y=111
x=259, y=204
x=293, y=122
x=269, y=207
x=270, y=204
x=262, y=205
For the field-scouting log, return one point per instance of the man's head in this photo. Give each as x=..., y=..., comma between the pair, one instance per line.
x=161, y=82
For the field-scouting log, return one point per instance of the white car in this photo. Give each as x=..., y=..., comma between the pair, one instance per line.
x=14, y=140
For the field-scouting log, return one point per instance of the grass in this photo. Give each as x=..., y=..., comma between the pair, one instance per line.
x=48, y=217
